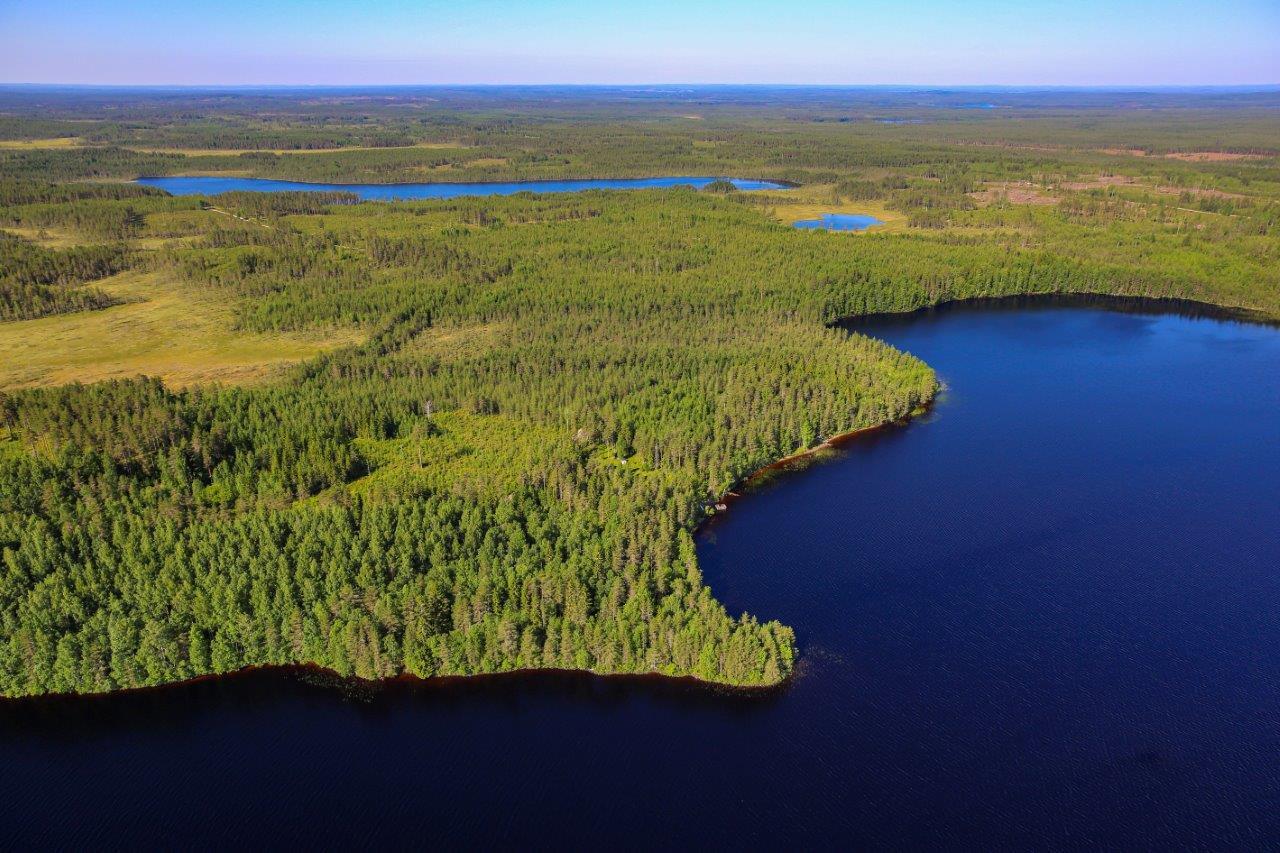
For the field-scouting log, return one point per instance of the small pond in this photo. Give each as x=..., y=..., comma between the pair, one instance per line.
x=840, y=222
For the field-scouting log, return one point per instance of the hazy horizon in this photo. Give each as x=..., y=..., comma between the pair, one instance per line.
x=641, y=84
x=991, y=43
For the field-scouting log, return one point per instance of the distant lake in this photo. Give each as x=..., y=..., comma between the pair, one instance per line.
x=208, y=185
x=840, y=222
x=1046, y=615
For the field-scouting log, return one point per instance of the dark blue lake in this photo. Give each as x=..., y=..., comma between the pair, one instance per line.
x=839, y=222
x=180, y=185
x=1045, y=615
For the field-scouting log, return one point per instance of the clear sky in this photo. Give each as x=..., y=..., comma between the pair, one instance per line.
x=1026, y=42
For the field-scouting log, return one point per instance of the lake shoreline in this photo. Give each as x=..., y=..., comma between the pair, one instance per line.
x=355, y=681
x=1176, y=305
x=339, y=680
x=1171, y=305
x=742, y=488
x=698, y=181
x=333, y=678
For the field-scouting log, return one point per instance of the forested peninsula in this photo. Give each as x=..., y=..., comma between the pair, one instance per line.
x=476, y=435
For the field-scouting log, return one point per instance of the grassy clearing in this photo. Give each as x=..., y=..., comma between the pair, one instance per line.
x=470, y=454
x=50, y=238
x=11, y=448
x=813, y=201
x=458, y=342
x=165, y=329
x=34, y=144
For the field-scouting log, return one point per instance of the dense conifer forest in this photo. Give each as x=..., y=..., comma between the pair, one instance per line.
x=548, y=393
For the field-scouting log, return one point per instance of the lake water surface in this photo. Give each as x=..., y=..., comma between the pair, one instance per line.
x=1045, y=615
x=839, y=222
x=210, y=185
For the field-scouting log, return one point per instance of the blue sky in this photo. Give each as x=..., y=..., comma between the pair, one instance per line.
x=1033, y=42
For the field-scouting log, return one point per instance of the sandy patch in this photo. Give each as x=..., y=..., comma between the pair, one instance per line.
x=1100, y=182
x=1212, y=156
x=1105, y=181
x=1198, y=192
x=1014, y=192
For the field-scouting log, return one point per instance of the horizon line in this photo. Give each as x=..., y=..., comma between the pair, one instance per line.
x=650, y=85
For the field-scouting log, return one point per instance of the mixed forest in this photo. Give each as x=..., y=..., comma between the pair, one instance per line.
x=496, y=422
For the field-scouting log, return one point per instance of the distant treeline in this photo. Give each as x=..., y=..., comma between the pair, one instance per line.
x=526, y=147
